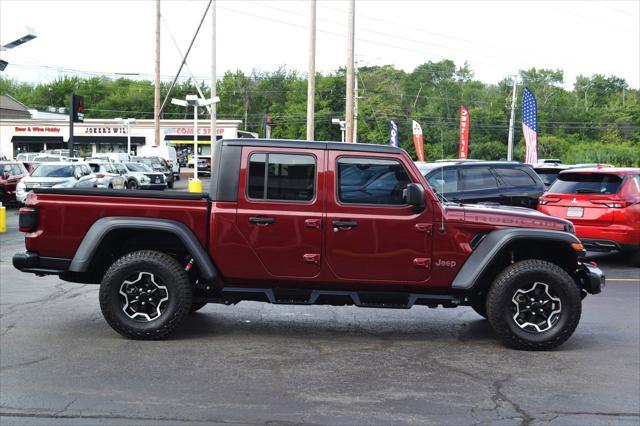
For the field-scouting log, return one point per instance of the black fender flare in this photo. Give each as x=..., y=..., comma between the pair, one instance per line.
x=102, y=227
x=492, y=244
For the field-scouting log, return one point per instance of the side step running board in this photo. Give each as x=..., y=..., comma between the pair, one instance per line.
x=363, y=299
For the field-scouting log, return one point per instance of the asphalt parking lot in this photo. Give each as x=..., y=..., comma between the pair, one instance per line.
x=60, y=363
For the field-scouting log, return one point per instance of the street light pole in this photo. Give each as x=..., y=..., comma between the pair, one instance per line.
x=128, y=138
x=512, y=120
x=195, y=102
x=195, y=142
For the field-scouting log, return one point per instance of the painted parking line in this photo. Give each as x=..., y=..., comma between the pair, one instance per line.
x=624, y=279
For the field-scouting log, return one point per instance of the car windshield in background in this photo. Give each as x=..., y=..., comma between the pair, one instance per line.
x=548, y=176
x=49, y=170
x=137, y=167
x=153, y=163
x=586, y=183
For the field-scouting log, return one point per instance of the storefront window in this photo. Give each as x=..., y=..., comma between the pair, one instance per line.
x=84, y=150
x=115, y=148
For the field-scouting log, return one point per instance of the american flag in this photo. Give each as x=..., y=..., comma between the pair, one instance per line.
x=530, y=126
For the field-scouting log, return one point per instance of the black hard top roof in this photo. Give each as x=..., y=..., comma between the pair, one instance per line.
x=338, y=146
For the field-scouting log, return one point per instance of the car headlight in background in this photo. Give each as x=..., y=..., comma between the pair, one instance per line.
x=21, y=187
x=145, y=179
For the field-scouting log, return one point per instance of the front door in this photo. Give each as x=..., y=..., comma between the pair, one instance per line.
x=372, y=235
x=281, y=208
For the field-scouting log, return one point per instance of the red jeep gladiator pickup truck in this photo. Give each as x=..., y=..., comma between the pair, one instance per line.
x=309, y=223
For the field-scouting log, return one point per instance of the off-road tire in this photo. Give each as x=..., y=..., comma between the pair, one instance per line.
x=172, y=275
x=500, y=309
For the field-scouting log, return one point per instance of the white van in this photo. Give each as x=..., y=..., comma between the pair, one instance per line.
x=164, y=151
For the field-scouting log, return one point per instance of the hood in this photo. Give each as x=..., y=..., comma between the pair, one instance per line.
x=505, y=216
x=48, y=181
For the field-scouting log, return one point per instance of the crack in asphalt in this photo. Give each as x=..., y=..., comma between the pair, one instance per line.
x=112, y=416
x=22, y=364
x=499, y=395
x=60, y=293
x=66, y=407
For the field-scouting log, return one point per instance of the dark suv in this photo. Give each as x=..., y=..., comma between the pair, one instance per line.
x=497, y=182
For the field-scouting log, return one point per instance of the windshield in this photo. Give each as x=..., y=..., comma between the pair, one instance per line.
x=548, y=176
x=586, y=183
x=138, y=167
x=51, y=170
x=154, y=163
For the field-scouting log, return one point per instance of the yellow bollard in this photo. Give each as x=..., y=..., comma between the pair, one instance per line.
x=195, y=185
x=3, y=218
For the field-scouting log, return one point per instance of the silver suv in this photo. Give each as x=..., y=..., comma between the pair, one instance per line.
x=108, y=176
x=140, y=176
x=57, y=175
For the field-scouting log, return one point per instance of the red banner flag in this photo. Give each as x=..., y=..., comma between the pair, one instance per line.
x=463, y=152
x=418, y=142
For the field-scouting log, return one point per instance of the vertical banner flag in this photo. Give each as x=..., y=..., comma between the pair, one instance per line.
x=530, y=126
x=418, y=141
x=393, y=134
x=463, y=152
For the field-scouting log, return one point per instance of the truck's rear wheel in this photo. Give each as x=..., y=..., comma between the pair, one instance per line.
x=534, y=305
x=145, y=295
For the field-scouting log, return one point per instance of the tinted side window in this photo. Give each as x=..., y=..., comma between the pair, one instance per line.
x=514, y=177
x=444, y=181
x=283, y=177
x=371, y=181
x=474, y=178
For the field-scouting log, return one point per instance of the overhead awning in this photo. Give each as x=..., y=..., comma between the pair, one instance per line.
x=36, y=139
x=188, y=140
x=108, y=140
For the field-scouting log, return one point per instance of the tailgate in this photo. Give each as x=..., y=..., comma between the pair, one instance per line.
x=575, y=196
x=579, y=210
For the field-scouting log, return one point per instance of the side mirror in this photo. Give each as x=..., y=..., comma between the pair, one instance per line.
x=414, y=195
x=77, y=174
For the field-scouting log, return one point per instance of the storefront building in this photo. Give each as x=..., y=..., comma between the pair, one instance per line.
x=95, y=136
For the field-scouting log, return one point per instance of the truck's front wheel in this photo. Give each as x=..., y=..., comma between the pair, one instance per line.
x=534, y=305
x=145, y=295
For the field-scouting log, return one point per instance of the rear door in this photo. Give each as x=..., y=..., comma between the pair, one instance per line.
x=479, y=185
x=371, y=234
x=519, y=188
x=281, y=208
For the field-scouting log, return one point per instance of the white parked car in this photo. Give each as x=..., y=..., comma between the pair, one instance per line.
x=57, y=175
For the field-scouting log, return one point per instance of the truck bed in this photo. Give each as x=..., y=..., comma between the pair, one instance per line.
x=66, y=215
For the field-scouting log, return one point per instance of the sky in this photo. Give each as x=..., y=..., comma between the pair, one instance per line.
x=496, y=38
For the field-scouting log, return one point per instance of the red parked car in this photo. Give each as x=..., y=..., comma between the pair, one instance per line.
x=11, y=172
x=602, y=203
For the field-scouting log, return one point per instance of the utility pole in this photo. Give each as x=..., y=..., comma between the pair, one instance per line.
x=350, y=76
x=214, y=129
x=156, y=93
x=355, y=108
x=311, y=74
x=512, y=120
